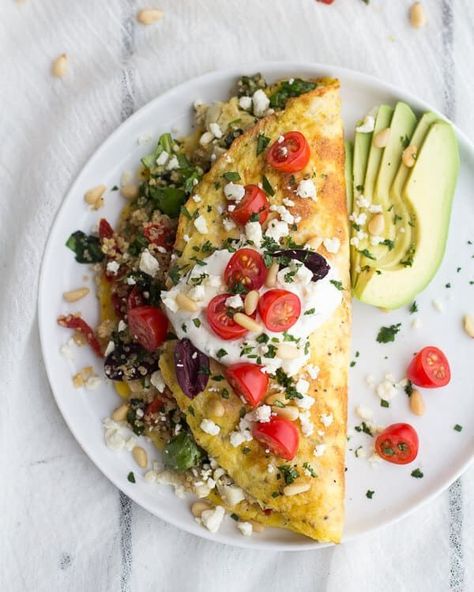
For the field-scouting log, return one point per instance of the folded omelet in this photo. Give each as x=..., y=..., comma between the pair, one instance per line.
x=319, y=224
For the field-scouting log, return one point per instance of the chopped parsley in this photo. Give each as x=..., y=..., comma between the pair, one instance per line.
x=186, y=213
x=417, y=474
x=191, y=411
x=245, y=450
x=289, y=473
x=387, y=334
x=367, y=254
x=197, y=322
x=409, y=388
x=221, y=353
x=287, y=89
x=232, y=176
x=225, y=393
x=267, y=186
x=234, y=517
x=457, y=428
x=369, y=493
x=352, y=364
x=309, y=469
x=262, y=143
x=337, y=284
x=448, y=285
x=285, y=381
x=131, y=477
x=310, y=311
x=363, y=427
x=115, y=188
x=174, y=275
x=389, y=243
x=86, y=248
x=384, y=403
x=413, y=307
x=405, y=141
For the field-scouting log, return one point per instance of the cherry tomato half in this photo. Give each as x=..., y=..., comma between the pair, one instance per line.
x=220, y=319
x=279, y=309
x=429, y=368
x=254, y=202
x=247, y=269
x=398, y=444
x=148, y=325
x=290, y=155
x=248, y=381
x=158, y=234
x=105, y=230
x=280, y=435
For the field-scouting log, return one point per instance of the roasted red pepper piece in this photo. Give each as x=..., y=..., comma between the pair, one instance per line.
x=75, y=322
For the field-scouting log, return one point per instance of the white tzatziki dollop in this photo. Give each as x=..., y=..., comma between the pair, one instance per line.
x=318, y=301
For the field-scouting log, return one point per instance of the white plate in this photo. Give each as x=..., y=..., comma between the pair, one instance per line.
x=444, y=452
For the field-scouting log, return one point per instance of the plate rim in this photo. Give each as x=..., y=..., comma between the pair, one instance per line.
x=207, y=78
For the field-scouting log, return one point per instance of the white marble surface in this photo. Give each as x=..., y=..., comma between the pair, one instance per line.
x=63, y=525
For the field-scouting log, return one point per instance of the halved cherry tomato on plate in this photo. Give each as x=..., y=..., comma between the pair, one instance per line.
x=429, y=368
x=279, y=309
x=247, y=269
x=254, y=202
x=148, y=325
x=105, y=230
x=220, y=318
x=397, y=444
x=248, y=381
x=290, y=155
x=75, y=322
x=280, y=435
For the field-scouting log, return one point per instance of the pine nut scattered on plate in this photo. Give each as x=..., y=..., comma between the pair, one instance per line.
x=60, y=66
x=469, y=325
x=140, y=456
x=95, y=196
x=417, y=15
x=129, y=191
x=74, y=295
x=417, y=403
x=120, y=414
x=149, y=16
x=199, y=507
x=251, y=302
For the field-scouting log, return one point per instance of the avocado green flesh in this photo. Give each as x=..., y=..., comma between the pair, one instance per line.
x=382, y=121
x=348, y=173
x=360, y=157
x=428, y=193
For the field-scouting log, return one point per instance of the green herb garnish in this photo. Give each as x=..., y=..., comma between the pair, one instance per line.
x=457, y=428
x=232, y=176
x=131, y=477
x=289, y=473
x=262, y=143
x=337, y=284
x=267, y=186
x=387, y=334
x=86, y=248
x=369, y=493
x=417, y=474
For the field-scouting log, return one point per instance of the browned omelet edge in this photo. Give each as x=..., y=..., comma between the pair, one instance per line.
x=318, y=513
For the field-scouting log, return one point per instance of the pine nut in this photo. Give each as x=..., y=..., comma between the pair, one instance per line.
x=315, y=242
x=469, y=325
x=417, y=15
x=95, y=196
x=409, y=156
x=140, y=456
x=247, y=322
x=199, y=507
x=286, y=351
x=272, y=275
x=186, y=303
x=120, y=414
x=135, y=386
x=296, y=488
x=376, y=225
x=74, y=295
x=291, y=413
x=129, y=191
x=417, y=404
x=149, y=16
x=79, y=379
x=257, y=526
x=276, y=397
x=382, y=138
x=251, y=302
x=216, y=408
x=60, y=65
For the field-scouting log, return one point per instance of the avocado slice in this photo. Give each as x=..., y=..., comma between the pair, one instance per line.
x=428, y=192
x=348, y=148
x=366, y=188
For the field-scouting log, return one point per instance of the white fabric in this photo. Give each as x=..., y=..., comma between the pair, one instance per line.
x=61, y=523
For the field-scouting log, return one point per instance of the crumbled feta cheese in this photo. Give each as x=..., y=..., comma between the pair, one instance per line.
x=172, y=478
x=131, y=281
x=206, y=138
x=305, y=403
x=362, y=202
x=332, y=245
x=112, y=267
x=162, y=158
x=231, y=494
x=170, y=303
x=201, y=225
x=270, y=468
x=302, y=386
x=150, y=476
x=360, y=219
x=121, y=326
x=215, y=130
x=375, y=209
x=228, y=224
x=144, y=139
x=320, y=449
x=66, y=349
x=243, y=433
x=173, y=164
x=360, y=452
x=234, y=301
x=438, y=305
x=245, y=528
x=289, y=203
x=157, y=381
x=307, y=426
x=93, y=382
x=245, y=103
x=326, y=419
x=118, y=436
x=376, y=239
x=263, y=413
x=212, y=519
x=280, y=139
x=260, y=103
x=236, y=439
x=186, y=238
x=416, y=323
x=364, y=412
x=370, y=379
x=361, y=235
x=354, y=241
x=208, y=426
x=148, y=264
x=285, y=214
x=253, y=232
x=277, y=229
x=313, y=371
x=234, y=191
x=197, y=292
x=386, y=390
x=306, y=189
x=367, y=126
x=197, y=198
